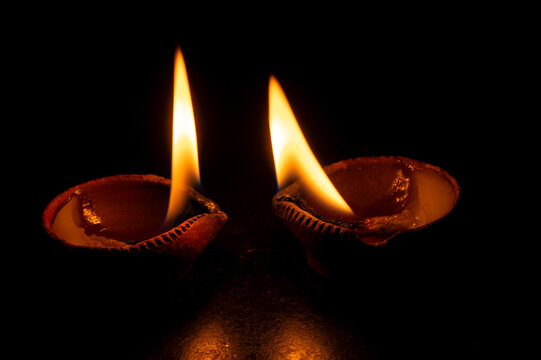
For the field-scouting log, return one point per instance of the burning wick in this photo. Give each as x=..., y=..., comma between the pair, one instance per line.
x=293, y=158
x=184, y=164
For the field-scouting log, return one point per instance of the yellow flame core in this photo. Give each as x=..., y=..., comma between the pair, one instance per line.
x=185, y=165
x=293, y=157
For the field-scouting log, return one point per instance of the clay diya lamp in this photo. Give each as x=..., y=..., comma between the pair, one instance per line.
x=163, y=224
x=342, y=210
x=388, y=196
x=122, y=216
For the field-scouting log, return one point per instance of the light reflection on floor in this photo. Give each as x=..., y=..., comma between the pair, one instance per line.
x=289, y=339
x=295, y=339
x=210, y=341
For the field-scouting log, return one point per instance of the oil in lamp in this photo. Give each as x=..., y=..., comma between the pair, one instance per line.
x=144, y=216
x=351, y=205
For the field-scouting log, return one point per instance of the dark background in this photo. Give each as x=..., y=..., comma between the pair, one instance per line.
x=100, y=105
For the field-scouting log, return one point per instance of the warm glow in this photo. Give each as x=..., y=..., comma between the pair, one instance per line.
x=293, y=158
x=184, y=166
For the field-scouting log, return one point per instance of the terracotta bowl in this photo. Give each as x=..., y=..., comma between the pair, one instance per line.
x=121, y=217
x=389, y=196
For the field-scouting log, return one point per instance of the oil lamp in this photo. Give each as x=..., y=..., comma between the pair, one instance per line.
x=146, y=216
x=351, y=205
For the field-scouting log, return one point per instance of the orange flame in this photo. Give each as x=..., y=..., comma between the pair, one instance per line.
x=293, y=157
x=185, y=165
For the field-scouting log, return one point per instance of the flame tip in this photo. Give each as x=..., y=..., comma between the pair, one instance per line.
x=274, y=83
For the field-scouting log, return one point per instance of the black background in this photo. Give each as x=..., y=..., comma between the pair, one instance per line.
x=99, y=103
